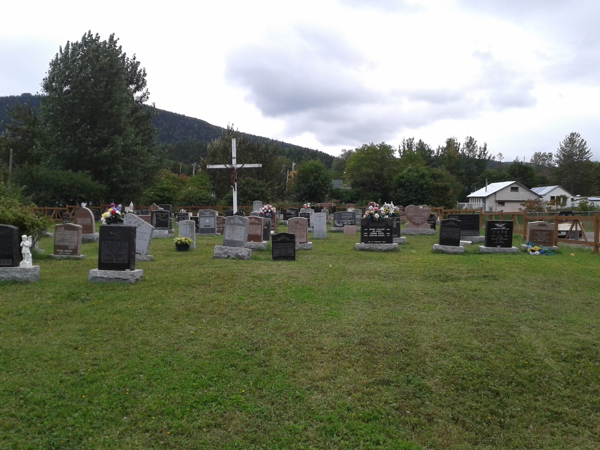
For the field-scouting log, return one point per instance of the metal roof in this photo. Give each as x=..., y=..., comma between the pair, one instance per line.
x=543, y=190
x=491, y=188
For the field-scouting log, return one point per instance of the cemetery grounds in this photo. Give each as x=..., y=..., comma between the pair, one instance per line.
x=337, y=350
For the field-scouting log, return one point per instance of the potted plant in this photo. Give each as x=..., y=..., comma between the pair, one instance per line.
x=182, y=244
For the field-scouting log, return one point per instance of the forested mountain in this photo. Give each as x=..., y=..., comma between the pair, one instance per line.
x=185, y=138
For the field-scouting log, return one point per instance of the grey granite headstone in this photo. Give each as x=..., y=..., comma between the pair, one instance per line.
x=187, y=228
x=256, y=205
x=207, y=221
x=319, y=223
x=236, y=231
x=143, y=236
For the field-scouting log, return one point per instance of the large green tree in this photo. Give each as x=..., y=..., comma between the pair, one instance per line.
x=312, y=182
x=372, y=168
x=421, y=185
x=571, y=156
x=522, y=173
x=96, y=118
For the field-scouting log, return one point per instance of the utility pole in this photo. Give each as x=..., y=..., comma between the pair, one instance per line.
x=10, y=165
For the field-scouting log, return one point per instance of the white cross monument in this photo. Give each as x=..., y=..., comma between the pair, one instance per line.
x=234, y=166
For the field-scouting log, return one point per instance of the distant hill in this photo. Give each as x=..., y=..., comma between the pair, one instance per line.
x=173, y=128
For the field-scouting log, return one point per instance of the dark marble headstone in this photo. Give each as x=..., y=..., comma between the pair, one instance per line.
x=167, y=207
x=182, y=216
x=10, y=251
x=396, y=229
x=255, y=229
x=220, y=225
x=144, y=212
x=344, y=218
x=469, y=224
x=498, y=233
x=267, y=229
x=117, y=248
x=161, y=219
x=290, y=213
x=283, y=247
x=450, y=232
x=432, y=221
x=207, y=221
x=372, y=232
x=306, y=216
x=318, y=209
x=67, y=239
x=541, y=233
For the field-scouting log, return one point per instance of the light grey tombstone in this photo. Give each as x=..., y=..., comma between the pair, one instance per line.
x=187, y=228
x=326, y=211
x=255, y=214
x=319, y=224
x=143, y=236
x=236, y=231
x=207, y=221
x=256, y=205
x=358, y=213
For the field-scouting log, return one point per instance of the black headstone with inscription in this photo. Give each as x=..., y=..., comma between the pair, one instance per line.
x=380, y=232
x=161, y=219
x=469, y=224
x=498, y=233
x=167, y=207
x=267, y=229
x=344, y=218
x=10, y=252
x=117, y=248
x=306, y=216
x=283, y=247
x=318, y=209
x=450, y=232
x=432, y=221
x=290, y=213
x=396, y=230
x=197, y=220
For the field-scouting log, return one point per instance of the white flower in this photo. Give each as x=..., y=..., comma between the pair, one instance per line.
x=377, y=216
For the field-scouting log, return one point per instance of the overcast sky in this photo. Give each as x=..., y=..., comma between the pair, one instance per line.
x=334, y=74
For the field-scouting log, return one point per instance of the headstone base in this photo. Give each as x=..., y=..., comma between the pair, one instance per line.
x=264, y=245
x=448, y=249
x=475, y=239
x=20, y=274
x=93, y=237
x=161, y=234
x=337, y=229
x=463, y=243
x=208, y=234
x=417, y=231
x=46, y=234
x=400, y=240
x=225, y=252
x=283, y=222
x=144, y=257
x=115, y=276
x=524, y=247
x=376, y=247
x=303, y=245
x=53, y=256
x=483, y=249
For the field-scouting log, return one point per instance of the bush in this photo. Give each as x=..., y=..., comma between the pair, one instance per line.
x=14, y=210
x=196, y=197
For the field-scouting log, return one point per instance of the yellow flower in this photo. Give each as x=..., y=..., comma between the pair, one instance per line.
x=572, y=254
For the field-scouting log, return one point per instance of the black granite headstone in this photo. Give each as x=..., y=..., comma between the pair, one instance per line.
x=283, y=247
x=290, y=213
x=396, y=230
x=10, y=251
x=161, y=219
x=372, y=232
x=432, y=221
x=267, y=229
x=344, y=218
x=197, y=220
x=306, y=216
x=318, y=209
x=167, y=207
x=498, y=233
x=117, y=247
x=469, y=224
x=450, y=232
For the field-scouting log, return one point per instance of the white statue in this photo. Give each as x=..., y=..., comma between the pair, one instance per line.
x=25, y=246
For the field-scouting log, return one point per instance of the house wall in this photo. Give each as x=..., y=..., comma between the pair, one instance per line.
x=555, y=193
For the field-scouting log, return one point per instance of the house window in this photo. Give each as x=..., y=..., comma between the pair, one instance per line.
x=500, y=203
x=514, y=189
x=552, y=197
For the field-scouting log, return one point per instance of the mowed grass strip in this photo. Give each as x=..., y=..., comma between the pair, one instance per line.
x=339, y=349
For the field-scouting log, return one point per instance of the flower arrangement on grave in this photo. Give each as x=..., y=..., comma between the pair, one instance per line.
x=113, y=215
x=536, y=250
x=376, y=213
x=307, y=206
x=180, y=240
x=267, y=210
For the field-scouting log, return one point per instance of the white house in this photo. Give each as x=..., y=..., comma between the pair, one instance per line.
x=593, y=201
x=549, y=193
x=506, y=196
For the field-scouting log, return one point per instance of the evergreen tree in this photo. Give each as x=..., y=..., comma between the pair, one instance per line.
x=570, y=157
x=96, y=120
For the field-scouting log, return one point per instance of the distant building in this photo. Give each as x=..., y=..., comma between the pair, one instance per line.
x=339, y=184
x=551, y=194
x=506, y=196
x=593, y=201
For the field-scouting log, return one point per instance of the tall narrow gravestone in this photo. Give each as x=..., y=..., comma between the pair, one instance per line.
x=161, y=221
x=67, y=242
x=469, y=226
x=187, y=228
x=10, y=257
x=449, y=237
x=417, y=217
x=116, y=256
x=299, y=227
x=143, y=237
x=283, y=247
x=256, y=233
x=207, y=222
x=235, y=238
x=498, y=237
x=220, y=225
x=85, y=218
x=267, y=229
x=319, y=225
x=305, y=215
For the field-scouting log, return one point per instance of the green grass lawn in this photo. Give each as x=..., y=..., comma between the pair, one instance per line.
x=337, y=350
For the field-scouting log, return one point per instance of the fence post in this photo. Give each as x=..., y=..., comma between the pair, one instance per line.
x=597, y=234
x=525, y=222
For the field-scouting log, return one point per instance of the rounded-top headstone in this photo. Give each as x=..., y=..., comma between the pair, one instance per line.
x=85, y=217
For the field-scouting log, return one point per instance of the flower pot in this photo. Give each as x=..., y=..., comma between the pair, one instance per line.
x=182, y=247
